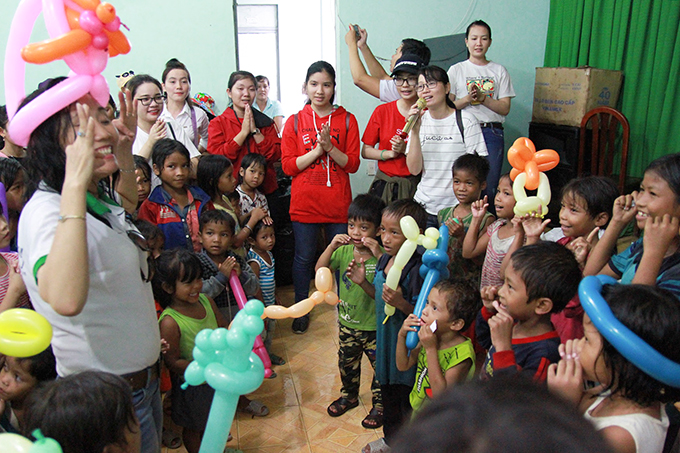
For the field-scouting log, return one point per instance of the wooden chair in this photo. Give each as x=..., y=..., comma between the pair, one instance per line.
x=604, y=124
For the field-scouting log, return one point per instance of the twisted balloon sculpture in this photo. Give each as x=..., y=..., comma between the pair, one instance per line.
x=225, y=360
x=324, y=293
x=413, y=238
x=528, y=167
x=432, y=270
x=84, y=33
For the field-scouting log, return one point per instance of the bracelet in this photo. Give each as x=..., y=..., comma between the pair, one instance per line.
x=64, y=218
x=126, y=171
x=248, y=226
x=381, y=155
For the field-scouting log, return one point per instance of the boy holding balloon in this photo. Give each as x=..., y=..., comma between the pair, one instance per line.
x=395, y=385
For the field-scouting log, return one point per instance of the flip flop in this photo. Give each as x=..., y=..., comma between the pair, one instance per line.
x=340, y=406
x=256, y=409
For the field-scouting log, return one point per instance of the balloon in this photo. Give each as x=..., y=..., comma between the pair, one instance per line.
x=432, y=270
x=225, y=361
x=241, y=300
x=538, y=203
x=413, y=238
x=84, y=33
x=524, y=159
x=631, y=346
x=14, y=443
x=324, y=283
x=23, y=333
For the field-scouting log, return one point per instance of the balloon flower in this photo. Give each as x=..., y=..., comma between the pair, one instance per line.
x=241, y=300
x=14, y=443
x=432, y=270
x=83, y=33
x=528, y=167
x=23, y=333
x=413, y=238
x=224, y=359
x=631, y=346
x=324, y=293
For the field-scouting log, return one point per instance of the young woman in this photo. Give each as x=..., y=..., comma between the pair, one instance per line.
x=439, y=138
x=178, y=107
x=484, y=88
x=241, y=130
x=320, y=148
x=270, y=107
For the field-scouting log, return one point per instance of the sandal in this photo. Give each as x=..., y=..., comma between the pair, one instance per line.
x=256, y=409
x=374, y=419
x=340, y=406
x=377, y=446
x=276, y=360
x=171, y=439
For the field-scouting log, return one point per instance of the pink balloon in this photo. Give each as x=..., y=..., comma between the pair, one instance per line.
x=100, y=90
x=90, y=22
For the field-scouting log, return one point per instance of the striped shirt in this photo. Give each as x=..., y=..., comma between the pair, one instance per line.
x=496, y=250
x=267, y=282
x=442, y=145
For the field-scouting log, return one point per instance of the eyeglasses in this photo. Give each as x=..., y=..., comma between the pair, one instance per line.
x=431, y=85
x=158, y=99
x=400, y=81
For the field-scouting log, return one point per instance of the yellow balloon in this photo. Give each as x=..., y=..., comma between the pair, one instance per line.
x=543, y=192
x=409, y=227
x=317, y=297
x=23, y=333
x=324, y=280
x=429, y=243
x=432, y=232
x=389, y=310
x=275, y=312
x=14, y=443
x=331, y=298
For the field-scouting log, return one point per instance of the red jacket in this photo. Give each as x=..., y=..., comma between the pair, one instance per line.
x=221, y=133
x=312, y=201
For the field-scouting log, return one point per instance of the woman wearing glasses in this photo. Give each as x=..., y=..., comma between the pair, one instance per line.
x=147, y=93
x=440, y=137
x=382, y=137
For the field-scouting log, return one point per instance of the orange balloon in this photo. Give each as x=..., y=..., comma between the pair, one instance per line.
x=57, y=48
x=87, y=4
x=533, y=176
x=73, y=18
x=513, y=173
x=515, y=157
x=317, y=297
x=331, y=298
x=118, y=43
x=324, y=279
x=529, y=144
x=547, y=159
x=105, y=12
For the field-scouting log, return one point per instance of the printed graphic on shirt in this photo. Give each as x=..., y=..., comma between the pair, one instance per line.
x=486, y=84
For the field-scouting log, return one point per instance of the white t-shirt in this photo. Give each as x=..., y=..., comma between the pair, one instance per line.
x=388, y=90
x=442, y=144
x=183, y=121
x=492, y=78
x=117, y=331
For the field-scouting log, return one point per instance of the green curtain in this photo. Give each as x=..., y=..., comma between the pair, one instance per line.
x=641, y=38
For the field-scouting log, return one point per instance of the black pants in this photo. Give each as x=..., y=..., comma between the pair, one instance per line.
x=396, y=409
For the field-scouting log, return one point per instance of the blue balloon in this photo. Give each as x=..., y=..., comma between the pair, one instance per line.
x=631, y=346
x=432, y=270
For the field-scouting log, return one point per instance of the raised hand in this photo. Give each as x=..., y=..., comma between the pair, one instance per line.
x=325, y=138
x=489, y=296
x=500, y=326
x=80, y=153
x=340, y=240
x=479, y=207
x=373, y=245
x=411, y=324
x=624, y=208
x=356, y=271
x=565, y=378
x=158, y=131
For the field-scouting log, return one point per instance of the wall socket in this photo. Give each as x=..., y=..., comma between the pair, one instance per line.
x=371, y=167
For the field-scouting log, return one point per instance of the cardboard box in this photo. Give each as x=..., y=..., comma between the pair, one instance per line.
x=564, y=95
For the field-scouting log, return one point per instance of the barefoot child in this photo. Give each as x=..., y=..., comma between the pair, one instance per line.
x=356, y=318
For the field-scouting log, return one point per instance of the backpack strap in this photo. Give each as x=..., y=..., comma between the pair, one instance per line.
x=172, y=131
x=459, y=120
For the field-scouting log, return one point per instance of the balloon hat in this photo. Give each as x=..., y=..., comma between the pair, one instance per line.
x=631, y=346
x=528, y=166
x=84, y=33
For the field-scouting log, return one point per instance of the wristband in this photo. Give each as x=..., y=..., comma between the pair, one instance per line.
x=248, y=226
x=64, y=218
x=381, y=155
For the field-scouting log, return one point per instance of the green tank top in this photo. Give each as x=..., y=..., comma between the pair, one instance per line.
x=189, y=327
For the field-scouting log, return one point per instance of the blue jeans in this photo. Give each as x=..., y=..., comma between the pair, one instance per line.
x=495, y=145
x=305, y=252
x=147, y=402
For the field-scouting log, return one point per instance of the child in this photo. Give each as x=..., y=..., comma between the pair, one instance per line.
x=484, y=89
x=499, y=235
x=469, y=180
x=261, y=262
x=175, y=206
x=8, y=148
x=215, y=175
x=13, y=177
x=393, y=181
x=217, y=262
x=444, y=356
x=628, y=408
x=252, y=171
x=143, y=177
x=91, y=411
x=12, y=289
x=514, y=323
x=177, y=287
x=18, y=378
x=155, y=240
x=653, y=259
x=356, y=310
x=395, y=385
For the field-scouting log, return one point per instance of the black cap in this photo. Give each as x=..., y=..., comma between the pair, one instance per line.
x=408, y=63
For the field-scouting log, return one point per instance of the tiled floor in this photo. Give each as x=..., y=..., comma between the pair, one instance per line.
x=299, y=395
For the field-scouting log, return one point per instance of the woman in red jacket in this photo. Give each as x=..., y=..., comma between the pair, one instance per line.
x=241, y=130
x=320, y=148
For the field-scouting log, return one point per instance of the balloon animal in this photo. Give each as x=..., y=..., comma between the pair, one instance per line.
x=84, y=33
x=225, y=360
x=432, y=270
x=241, y=300
x=528, y=167
x=324, y=293
x=413, y=238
